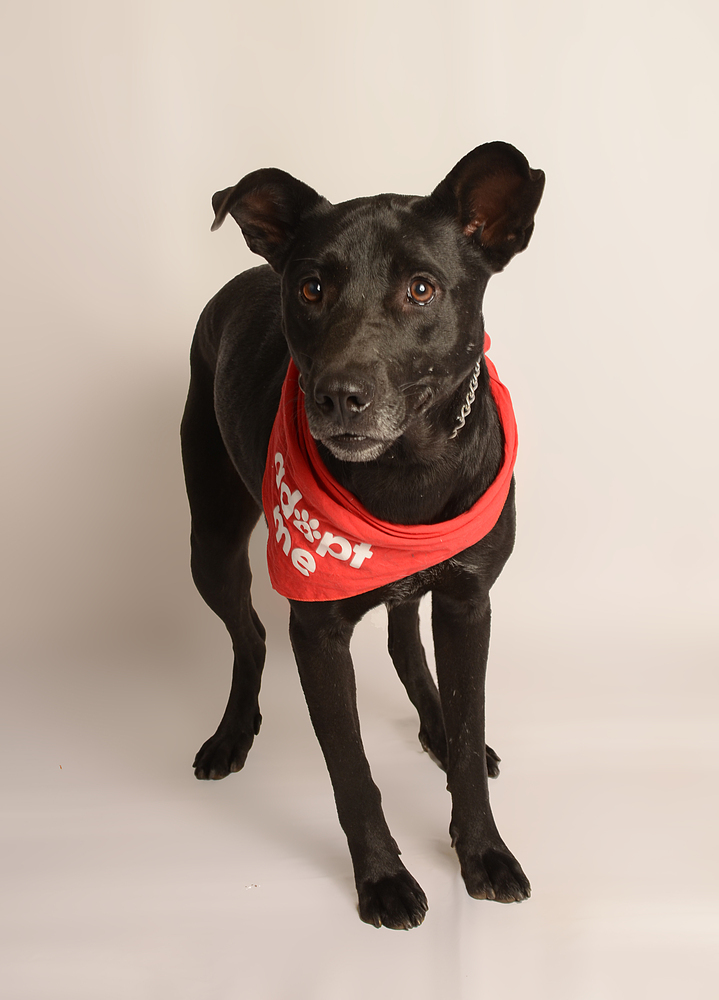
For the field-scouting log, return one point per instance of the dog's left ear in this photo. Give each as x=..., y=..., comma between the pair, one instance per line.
x=493, y=194
x=267, y=205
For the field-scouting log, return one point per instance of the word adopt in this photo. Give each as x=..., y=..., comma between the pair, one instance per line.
x=289, y=510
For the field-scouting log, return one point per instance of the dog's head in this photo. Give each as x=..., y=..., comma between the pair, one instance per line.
x=382, y=297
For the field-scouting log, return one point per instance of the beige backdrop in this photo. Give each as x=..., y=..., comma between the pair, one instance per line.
x=127, y=878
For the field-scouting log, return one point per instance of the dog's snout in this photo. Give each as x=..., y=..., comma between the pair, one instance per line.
x=342, y=398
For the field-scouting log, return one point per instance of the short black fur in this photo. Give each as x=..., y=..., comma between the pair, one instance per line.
x=385, y=373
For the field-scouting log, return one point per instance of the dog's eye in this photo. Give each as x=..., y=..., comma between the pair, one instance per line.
x=311, y=290
x=420, y=291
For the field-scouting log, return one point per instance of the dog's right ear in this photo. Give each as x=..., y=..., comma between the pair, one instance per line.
x=267, y=205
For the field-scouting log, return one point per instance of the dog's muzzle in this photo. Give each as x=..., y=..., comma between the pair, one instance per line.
x=347, y=413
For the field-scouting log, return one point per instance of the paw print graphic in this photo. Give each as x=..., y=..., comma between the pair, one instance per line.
x=308, y=526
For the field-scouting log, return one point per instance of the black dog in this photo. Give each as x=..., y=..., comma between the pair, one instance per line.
x=378, y=302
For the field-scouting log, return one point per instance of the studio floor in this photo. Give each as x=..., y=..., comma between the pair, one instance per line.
x=127, y=879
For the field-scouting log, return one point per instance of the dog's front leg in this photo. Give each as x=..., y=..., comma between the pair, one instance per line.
x=388, y=895
x=461, y=626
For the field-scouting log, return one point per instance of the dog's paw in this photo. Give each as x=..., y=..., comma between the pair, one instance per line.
x=437, y=750
x=223, y=754
x=435, y=745
x=395, y=901
x=495, y=874
x=493, y=762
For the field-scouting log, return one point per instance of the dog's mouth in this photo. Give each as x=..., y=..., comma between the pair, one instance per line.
x=350, y=447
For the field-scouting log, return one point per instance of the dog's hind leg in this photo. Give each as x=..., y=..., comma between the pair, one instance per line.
x=410, y=661
x=223, y=517
x=388, y=894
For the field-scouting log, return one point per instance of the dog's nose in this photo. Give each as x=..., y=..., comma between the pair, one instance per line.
x=343, y=398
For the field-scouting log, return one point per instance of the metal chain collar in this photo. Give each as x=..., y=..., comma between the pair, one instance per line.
x=469, y=399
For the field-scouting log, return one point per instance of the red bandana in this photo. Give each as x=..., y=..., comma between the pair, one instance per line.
x=323, y=545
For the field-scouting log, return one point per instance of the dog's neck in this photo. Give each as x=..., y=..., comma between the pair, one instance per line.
x=431, y=474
